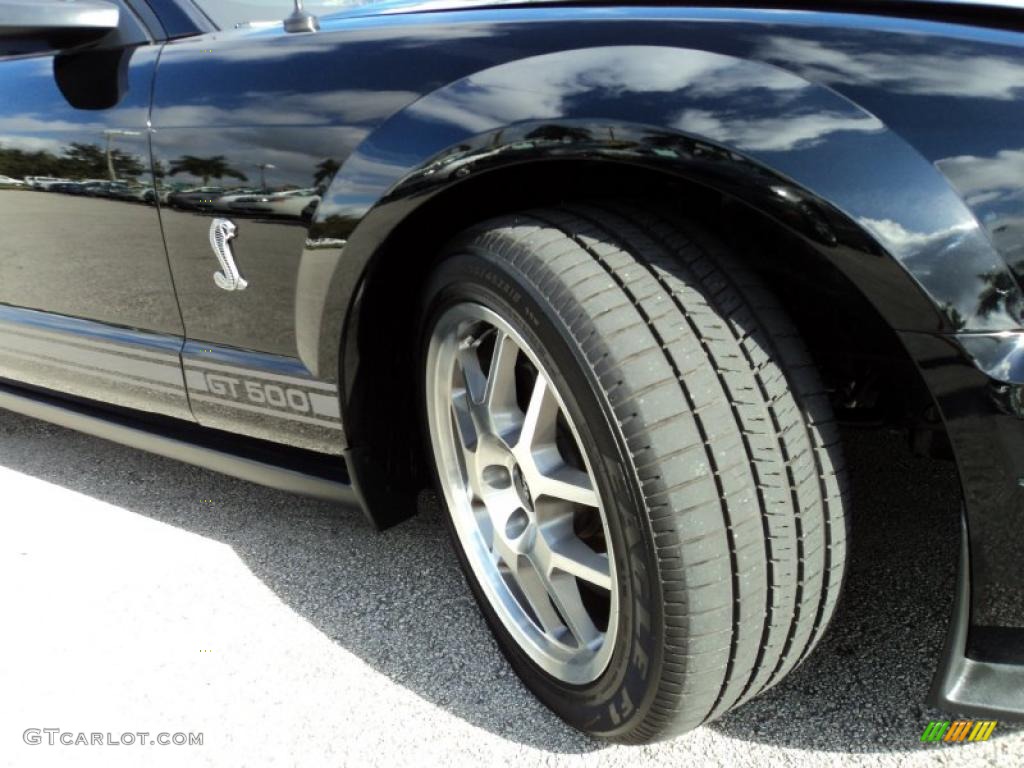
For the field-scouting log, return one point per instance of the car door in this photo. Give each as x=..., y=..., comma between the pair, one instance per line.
x=87, y=305
x=243, y=144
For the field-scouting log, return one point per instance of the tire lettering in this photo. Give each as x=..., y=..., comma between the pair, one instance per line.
x=623, y=710
x=643, y=619
x=500, y=283
x=639, y=571
x=639, y=658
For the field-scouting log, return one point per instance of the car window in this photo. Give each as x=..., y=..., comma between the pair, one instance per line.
x=227, y=14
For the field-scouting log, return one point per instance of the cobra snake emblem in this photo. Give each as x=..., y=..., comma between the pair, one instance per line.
x=228, y=278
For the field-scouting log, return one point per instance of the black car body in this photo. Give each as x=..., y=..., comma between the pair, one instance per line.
x=879, y=144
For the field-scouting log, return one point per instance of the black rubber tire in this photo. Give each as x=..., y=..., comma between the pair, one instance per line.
x=715, y=441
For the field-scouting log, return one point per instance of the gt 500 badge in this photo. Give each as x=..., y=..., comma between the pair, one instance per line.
x=259, y=392
x=317, y=402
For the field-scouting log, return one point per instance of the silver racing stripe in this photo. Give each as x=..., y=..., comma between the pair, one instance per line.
x=269, y=397
x=264, y=411
x=70, y=354
x=169, y=356
x=89, y=370
x=307, y=383
x=93, y=360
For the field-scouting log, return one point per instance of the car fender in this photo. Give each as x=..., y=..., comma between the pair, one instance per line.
x=794, y=149
x=824, y=167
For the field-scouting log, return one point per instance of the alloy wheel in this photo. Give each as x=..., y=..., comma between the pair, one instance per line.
x=523, y=498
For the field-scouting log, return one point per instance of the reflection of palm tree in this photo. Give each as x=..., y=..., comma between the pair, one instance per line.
x=325, y=171
x=90, y=161
x=998, y=294
x=206, y=168
x=954, y=316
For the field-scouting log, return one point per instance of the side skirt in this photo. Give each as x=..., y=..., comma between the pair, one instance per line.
x=324, y=476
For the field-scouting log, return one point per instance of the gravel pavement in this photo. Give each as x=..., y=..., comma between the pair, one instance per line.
x=141, y=594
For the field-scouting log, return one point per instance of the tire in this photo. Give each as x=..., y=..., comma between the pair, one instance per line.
x=693, y=410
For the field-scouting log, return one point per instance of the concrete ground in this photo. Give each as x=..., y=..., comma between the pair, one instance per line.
x=140, y=594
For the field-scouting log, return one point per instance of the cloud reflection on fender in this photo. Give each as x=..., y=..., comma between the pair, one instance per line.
x=743, y=104
x=992, y=187
x=924, y=72
x=773, y=134
x=810, y=133
x=990, y=293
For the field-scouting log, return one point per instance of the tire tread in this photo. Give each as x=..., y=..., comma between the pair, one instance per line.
x=729, y=434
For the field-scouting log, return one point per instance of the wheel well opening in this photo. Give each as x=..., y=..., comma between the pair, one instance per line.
x=871, y=378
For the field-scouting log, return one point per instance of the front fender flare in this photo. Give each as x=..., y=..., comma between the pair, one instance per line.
x=897, y=227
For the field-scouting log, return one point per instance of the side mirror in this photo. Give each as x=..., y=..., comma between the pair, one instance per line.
x=93, y=79
x=32, y=26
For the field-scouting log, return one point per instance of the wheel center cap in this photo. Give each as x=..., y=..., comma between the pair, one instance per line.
x=519, y=482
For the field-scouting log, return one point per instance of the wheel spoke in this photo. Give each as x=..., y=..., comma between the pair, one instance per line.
x=559, y=568
x=565, y=483
x=462, y=417
x=572, y=556
x=500, y=392
x=535, y=589
x=501, y=550
x=466, y=437
x=530, y=585
x=539, y=422
x=472, y=374
x=482, y=515
x=565, y=594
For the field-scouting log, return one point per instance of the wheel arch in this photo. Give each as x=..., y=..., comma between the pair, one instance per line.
x=825, y=171
x=376, y=360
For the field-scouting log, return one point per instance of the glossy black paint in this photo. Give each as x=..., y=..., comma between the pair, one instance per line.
x=58, y=255
x=837, y=152
x=983, y=413
x=821, y=140
x=92, y=267
x=892, y=146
